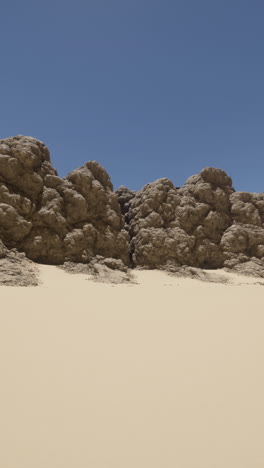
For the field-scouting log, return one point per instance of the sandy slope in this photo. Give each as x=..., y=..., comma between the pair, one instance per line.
x=167, y=373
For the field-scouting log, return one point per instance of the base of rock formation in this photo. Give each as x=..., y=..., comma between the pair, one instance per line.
x=102, y=270
x=17, y=270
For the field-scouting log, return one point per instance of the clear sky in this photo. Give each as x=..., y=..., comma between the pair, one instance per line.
x=148, y=88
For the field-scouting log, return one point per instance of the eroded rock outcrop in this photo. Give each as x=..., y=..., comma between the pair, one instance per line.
x=204, y=224
x=52, y=219
x=182, y=225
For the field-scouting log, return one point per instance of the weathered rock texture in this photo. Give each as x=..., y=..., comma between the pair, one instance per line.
x=124, y=198
x=52, y=219
x=16, y=269
x=204, y=224
x=103, y=270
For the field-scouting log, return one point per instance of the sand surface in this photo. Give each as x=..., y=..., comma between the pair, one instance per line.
x=166, y=373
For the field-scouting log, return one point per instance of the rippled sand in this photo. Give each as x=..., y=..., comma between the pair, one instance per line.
x=166, y=373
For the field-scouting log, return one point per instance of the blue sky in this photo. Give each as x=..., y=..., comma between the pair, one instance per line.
x=148, y=88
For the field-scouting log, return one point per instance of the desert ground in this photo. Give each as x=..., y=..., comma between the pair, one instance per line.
x=162, y=372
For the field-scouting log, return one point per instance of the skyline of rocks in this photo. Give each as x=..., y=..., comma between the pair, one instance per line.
x=205, y=223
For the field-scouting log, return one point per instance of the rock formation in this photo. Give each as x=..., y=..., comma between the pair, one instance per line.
x=52, y=219
x=204, y=224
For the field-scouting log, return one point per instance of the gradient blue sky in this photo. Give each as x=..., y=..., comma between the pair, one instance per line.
x=148, y=88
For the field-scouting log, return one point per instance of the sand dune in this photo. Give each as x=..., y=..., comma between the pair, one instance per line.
x=167, y=372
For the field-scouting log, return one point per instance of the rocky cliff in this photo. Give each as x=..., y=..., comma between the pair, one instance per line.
x=205, y=223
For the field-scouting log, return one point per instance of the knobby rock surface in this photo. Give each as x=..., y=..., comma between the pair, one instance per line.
x=204, y=224
x=52, y=219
